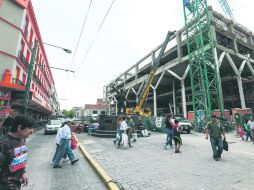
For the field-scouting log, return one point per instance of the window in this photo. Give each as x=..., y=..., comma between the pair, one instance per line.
x=17, y=72
x=26, y=27
x=94, y=111
x=24, y=79
x=31, y=38
x=103, y=112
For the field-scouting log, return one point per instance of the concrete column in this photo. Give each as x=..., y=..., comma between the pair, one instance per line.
x=174, y=97
x=125, y=78
x=230, y=28
x=136, y=72
x=240, y=87
x=183, y=99
x=179, y=41
x=219, y=79
x=154, y=103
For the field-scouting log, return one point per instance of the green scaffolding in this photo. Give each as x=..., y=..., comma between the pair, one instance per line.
x=203, y=67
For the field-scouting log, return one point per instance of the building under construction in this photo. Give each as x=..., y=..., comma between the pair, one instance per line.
x=171, y=89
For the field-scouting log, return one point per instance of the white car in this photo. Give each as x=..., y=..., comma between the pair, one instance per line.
x=52, y=126
x=184, y=124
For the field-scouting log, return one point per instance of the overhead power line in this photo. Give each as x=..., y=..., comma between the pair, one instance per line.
x=91, y=44
x=81, y=32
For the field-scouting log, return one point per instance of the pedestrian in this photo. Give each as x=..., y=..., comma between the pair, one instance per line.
x=13, y=154
x=251, y=124
x=8, y=122
x=177, y=137
x=247, y=130
x=215, y=131
x=94, y=126
x=123, y=128
x=240, y=129
x=169, y=130
x=117, y=132
x=65, y=146
x=58, y=139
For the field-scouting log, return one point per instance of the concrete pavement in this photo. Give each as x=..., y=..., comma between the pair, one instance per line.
x=70, y=177
x=148, y=166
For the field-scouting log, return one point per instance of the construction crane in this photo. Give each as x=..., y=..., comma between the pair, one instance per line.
x=226, y=9
x=154, y=68
x=204, y=72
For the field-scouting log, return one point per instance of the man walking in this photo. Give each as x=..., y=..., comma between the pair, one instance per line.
x=215, y=130
x=251, y=125
x=123, y=128
x=169, y=130
x=64, y=147
x=13, y=154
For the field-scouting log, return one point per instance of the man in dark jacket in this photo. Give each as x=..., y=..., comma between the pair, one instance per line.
x=13, y=154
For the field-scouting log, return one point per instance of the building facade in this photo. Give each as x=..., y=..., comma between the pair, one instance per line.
x=18, y=32
x=94, y=109
x=171, y=89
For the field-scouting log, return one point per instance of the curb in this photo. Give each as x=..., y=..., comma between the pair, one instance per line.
x=99, y=170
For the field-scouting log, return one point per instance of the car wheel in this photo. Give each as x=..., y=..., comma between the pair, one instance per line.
x=188, y=131
x=45, y=132
x=78, y=130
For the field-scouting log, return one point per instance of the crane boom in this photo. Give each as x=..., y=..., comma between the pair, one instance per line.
x=226, y=9
x=155, y=66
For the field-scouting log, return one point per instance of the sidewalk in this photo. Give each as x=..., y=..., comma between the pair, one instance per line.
x=70, y=177
x=148, y=166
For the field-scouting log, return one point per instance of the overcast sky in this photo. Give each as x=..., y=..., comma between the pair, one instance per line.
x=131, y=30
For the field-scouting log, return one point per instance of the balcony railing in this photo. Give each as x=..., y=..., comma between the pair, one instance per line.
x=17, y=81
x=23, y=59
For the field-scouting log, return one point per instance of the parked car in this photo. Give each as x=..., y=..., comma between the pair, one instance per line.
x=52, y=126
x=78, y=127
x=185, y=124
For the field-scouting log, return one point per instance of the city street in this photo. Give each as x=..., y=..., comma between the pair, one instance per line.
x=148, y=166
x=70, y=177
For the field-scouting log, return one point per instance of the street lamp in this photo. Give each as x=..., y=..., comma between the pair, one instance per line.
x=66, y=50
x=30, y=72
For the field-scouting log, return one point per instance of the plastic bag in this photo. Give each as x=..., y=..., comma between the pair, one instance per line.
x=73, y=143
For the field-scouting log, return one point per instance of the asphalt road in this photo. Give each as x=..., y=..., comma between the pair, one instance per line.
x=70, y=177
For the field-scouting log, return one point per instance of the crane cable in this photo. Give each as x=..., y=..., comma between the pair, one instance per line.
x=91, y=44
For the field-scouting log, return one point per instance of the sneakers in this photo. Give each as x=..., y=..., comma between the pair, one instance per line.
x=65, y=159
x=57, y=166
x=216, y=159
x=165, y=146
x=177, y=151
x=74, y=161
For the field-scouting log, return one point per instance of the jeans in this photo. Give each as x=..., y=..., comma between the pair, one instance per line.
x=91, y=129
x=64, y=147
x=248, y=135
x=217, y=146
x=57, y=149
x=169, y=132
x=120, y=134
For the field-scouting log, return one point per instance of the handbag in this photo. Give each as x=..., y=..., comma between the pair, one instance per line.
x=225, y=145
x=73, y=143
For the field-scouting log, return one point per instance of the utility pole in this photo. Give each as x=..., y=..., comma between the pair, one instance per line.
x=29, y=78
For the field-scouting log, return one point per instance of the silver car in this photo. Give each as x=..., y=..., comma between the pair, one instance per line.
x=52, y=126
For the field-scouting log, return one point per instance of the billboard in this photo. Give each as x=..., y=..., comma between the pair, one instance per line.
x=21, y=3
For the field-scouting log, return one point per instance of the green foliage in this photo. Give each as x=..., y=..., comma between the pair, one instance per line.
x=71, y=113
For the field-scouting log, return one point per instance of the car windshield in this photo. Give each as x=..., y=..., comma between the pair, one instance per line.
x=55, y=122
